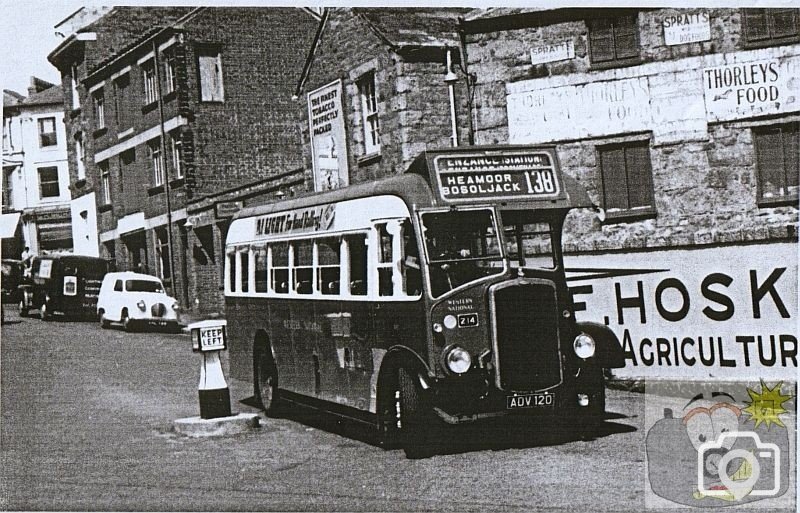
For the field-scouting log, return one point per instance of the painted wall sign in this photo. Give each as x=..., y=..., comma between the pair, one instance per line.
x=328, y=137
x=683, y=28
x=517, y=175
x=295, y=221
x=728, y=312
x=755, y=88
x=227, y=209
x=552, y=52
x=537, y=115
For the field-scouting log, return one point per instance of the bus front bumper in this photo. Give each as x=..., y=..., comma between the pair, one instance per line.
x=464, y=402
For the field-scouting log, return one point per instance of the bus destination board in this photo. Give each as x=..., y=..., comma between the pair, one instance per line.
x=521, y=175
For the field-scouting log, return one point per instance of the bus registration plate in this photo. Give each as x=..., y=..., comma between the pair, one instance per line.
x=515, y=402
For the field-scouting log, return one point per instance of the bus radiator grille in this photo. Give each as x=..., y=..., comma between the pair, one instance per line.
x=526, y=320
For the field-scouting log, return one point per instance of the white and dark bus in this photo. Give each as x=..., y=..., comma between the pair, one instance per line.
x=434, y=295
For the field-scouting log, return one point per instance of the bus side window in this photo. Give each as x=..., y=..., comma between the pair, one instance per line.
x=280, y=267
x=230, y=271
x=118, y=286
x=328, y=273
x=412, y=275
x=357, y=247
x=385, y=287
x=261, y=269
x=244, y=264
x=303, y=267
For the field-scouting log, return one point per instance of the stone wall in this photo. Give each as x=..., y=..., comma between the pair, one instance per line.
x=704, y=168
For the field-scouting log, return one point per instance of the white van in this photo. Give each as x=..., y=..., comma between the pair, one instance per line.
x=134, y=300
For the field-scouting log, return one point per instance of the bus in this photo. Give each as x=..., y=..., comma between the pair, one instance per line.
x=434, y=296
x=63, y=283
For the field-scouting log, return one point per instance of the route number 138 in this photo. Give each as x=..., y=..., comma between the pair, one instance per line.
x=540, y=182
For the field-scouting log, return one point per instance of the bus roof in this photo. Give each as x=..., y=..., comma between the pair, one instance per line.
x=424, y=183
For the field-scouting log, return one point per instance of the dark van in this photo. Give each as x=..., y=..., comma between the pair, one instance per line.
x=67, y=284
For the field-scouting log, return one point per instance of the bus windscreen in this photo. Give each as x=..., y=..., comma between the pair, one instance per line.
x=462, y=246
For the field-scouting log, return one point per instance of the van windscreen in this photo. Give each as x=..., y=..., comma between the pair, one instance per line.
x=143, y=286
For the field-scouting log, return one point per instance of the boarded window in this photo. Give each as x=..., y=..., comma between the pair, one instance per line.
x=122, y=113
x=777, y=157
x=210, y=69
x=614, y=39
x=771, y=26
x=627, y=176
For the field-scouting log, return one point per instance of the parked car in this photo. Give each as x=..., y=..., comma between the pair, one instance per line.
x=66, y=284
x=11, y=279
x=136, y=300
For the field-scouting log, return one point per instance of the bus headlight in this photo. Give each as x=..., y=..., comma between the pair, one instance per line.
x=457, y=359
x=584, y=346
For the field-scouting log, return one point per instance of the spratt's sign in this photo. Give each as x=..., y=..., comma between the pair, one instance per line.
x=508, y=176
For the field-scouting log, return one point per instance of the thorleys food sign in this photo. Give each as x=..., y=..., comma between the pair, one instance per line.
x=523, y=174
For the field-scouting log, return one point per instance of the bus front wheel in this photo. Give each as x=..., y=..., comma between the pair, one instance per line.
x=415, y=427
x=267, y=382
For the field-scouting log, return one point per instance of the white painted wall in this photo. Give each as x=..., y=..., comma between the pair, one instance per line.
x=84, y=225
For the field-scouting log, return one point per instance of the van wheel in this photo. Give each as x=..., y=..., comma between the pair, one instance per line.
x=415, y=426
x=44, y=312
x=23, y=308
x=104, y=323
x=267, y=382
x=127, y=324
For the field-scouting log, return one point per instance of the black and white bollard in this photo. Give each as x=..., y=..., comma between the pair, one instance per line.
x=208, y=338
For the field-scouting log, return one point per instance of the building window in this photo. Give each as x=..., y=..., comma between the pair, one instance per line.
x=627, y=178
x=210, y=67
x=777, y=163
x=105, y=184
x=369, y=114
x=99, y=109
x=121, y=91
x=79, y=156
x=614, y=40
x=158, y=162
x=162, y=253
x=47, y=132
x=763, y=27
x=170, y=78
x=177, y=155
x=149, y=81
x=76, y=102
x=48, y=182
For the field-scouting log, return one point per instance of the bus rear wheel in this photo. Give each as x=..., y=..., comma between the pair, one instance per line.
x=267, y=382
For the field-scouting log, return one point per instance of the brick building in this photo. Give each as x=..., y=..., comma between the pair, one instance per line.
x=372, y=95
x=35, y=171
x=178, y=115
x=683, y=126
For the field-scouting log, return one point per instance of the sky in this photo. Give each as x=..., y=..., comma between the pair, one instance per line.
x=27, y=36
